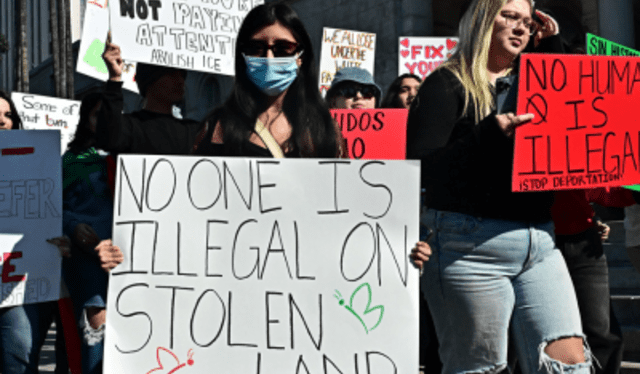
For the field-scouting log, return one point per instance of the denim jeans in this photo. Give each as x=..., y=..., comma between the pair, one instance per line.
x=487, y=274
x=22, y=331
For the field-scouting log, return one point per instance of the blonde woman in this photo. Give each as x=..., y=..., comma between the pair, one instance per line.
x=494, y=265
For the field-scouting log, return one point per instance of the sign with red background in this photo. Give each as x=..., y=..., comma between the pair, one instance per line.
x=585, y=131
x=373, y=133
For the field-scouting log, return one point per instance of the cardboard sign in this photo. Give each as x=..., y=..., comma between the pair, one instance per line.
x=422, y=55
x=584, y=134
x=48, y=113
x=94, y=34
x=373, y=133
x=601, y=46
x=264, y=266
x=30, y=213
x=187, y=34
x=345, y=48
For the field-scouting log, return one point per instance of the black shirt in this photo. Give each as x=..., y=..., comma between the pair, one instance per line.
x=466, y=167
x=142, y=132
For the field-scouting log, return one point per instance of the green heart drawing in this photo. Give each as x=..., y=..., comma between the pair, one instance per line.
x=368, y=309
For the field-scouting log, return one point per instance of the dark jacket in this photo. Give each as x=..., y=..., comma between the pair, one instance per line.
x=143, y=131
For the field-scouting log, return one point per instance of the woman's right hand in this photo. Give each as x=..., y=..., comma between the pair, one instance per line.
x=110, y=255
x=508, y=122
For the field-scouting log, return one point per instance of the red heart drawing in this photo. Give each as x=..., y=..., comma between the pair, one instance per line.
x=404, y=53
x=451, y=44
x=405, y=43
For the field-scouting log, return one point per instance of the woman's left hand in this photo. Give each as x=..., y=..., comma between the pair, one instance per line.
x=549, y=27
x=420, y=254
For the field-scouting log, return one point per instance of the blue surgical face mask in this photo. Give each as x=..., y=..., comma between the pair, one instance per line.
x=272, y=75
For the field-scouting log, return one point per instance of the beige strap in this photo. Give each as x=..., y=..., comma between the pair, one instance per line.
x=268, y=140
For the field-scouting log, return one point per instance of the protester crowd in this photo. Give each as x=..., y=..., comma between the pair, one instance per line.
x=500, y=279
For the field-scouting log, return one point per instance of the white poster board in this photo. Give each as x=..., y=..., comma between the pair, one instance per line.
x=262, y=266
x=94, y=34
x=345, y=48
x=188, y=34
x=48, y=113
x=30, y=213
x=422, y=55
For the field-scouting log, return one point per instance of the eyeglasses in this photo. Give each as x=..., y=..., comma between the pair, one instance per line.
x=281, y=48
x=512, y=20
x=351, y=91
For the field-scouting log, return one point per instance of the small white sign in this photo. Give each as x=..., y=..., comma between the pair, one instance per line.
x=48, y=113
x=422, y=55
x=345, y=48
x=30, y=213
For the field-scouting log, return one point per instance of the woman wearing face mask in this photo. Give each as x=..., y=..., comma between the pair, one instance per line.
x=275, y=108
x=494, y=263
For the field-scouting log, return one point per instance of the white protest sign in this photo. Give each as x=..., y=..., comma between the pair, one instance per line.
x=30, y=213
x=48, y=113
x=422, y=55
x=262, y=266
x=345, y=48
x=188, y=34
x=94, y=34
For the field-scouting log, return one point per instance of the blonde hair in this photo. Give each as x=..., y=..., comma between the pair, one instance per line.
x=469, y=62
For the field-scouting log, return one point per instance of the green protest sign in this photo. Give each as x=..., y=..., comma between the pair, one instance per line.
x=601, y=46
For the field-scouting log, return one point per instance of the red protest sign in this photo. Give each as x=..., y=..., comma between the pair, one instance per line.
x=585, y=133
x=373, y=133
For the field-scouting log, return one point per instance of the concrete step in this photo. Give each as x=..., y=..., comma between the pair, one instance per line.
x=616, y=253
x=628, y=367
x=624, y=276
x=627, y=311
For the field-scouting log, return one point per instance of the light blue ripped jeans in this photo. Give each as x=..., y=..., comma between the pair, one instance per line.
x=486, y=274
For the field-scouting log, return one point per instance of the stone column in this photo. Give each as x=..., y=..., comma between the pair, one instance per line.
x=615, y=20
x=416, y=17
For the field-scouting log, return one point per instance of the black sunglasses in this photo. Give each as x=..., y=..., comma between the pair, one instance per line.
x=281, y=48
x=351, y=91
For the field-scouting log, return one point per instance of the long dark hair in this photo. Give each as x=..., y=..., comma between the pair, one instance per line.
x=391, y=99
x=15, y=118
x=313, y=131
x=84, y=137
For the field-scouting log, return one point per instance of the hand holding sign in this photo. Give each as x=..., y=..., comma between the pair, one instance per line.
x=420, y=254
x=508, y=122
x=113, y=59
x=110, y=255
